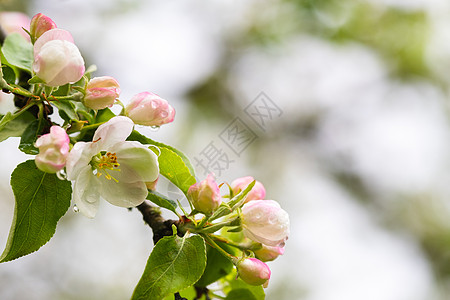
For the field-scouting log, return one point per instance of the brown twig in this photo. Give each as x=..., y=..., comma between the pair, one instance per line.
x=152, y=216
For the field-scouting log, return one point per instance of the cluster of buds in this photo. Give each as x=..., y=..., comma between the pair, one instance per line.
x=263, y=222
x=57, y=62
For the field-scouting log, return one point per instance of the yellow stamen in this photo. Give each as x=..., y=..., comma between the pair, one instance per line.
x=106, y=162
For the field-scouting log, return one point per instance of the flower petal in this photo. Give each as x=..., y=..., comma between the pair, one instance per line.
x=86, y=192
x=116, y=130
x=79, y=157
x=53, y=34
x=123, y=194
x=137, y=162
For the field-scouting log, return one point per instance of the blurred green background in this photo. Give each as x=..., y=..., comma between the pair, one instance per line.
x=357, y=153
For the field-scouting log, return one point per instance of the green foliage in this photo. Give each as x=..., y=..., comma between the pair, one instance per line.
x=41, y=200
x=66, y=110
x=189, y=293
x=136, y=136
x=173, y=168
x=162, y=201
x=174, y=264
x=18, y=52
x=13, y=125
x=241, y=294
x=217, y=266
x=239, y=199
x=30, y=135
x=399, y=35
x=173, y=164
x=104, y=115
x=8, y=75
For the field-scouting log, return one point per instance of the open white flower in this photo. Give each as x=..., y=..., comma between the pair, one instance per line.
x=111, y=168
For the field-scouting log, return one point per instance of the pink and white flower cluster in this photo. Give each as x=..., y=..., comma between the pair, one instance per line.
x=111, y=168
x=265, y=222
x=262, y=221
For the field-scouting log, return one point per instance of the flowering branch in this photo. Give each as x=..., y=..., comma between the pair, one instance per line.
x=90, y=154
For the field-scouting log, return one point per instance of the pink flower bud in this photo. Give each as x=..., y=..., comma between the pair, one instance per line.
x=149, y=109
x=258, y=192
x=205, y=195
x=40, y=23
x=57, y=60
x=12, y=22
x=269, y=253
x=101, y=92
x=253, y=271
x=53, y=150
x=264, y=221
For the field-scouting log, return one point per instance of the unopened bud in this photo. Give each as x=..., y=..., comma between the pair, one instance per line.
x=53, y=150
x=253, y=271
x=150, y=110
x=258, y=192
x=101, y=92
x=40, y=23
x=205, y=195
x=269, y=253
x=264, y=221
x=57, y=60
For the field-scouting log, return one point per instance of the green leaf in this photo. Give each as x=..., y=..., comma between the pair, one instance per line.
x=104, y=115
x=136, y=136
x=217, y=266
x=35, y=80
x=173, y=168
x=189, y=293
x=8, y=75
x=239, y=199
x=63, y=90
x=41, y=200
x=240, y=294
x=13, y=125
x=18, y=52
x=66, y=110
x=162, y=201
x=30, y=135
x=174, y=264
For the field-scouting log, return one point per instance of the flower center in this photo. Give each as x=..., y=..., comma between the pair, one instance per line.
x=103, y=163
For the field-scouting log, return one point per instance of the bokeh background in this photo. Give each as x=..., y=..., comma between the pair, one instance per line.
x=358, y=153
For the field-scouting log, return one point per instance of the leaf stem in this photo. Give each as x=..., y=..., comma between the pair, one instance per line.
x=212, y=243
x=252, y=246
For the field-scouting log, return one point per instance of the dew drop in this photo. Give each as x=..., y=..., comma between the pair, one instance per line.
x=154, y=128
x=154, y=104
x=75, y=209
